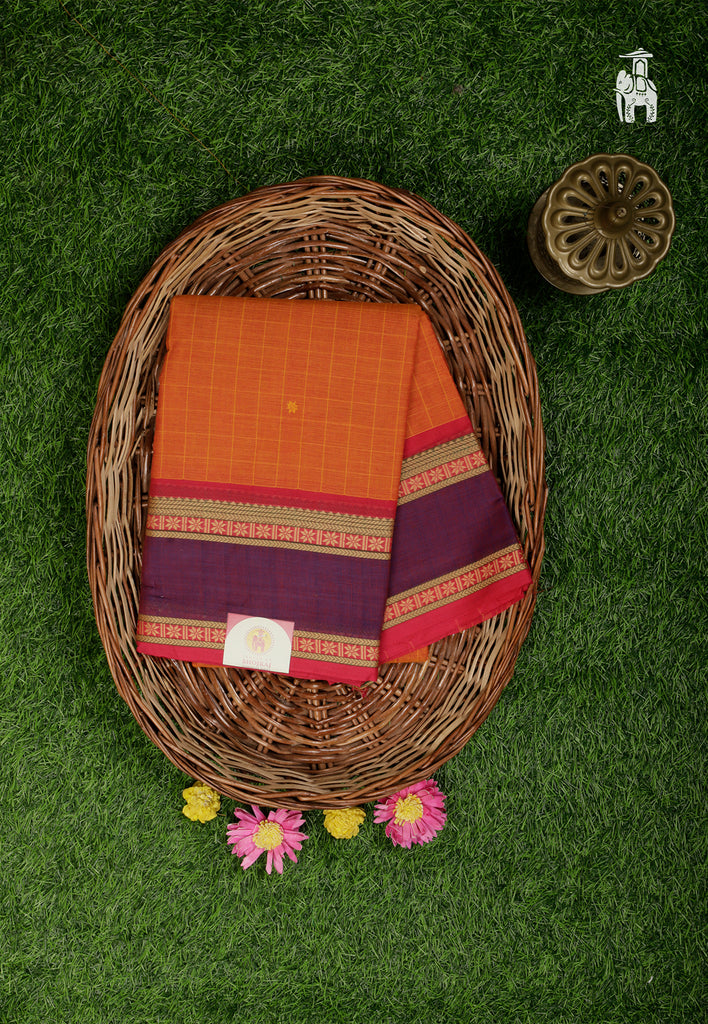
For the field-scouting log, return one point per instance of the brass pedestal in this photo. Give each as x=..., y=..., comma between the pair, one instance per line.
x=604, y=224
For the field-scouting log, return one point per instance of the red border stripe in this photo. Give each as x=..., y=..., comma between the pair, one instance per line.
x=300, y=668
x=454, y=617
x=437, y=435
x=313, y=500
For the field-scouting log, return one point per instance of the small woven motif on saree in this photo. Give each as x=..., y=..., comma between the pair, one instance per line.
x=313, y=464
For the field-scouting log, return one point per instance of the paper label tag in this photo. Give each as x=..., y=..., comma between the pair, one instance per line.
x=255, y=642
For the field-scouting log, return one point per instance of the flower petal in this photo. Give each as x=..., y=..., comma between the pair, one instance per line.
x=291, y=853
x=382, y=812
x=245, y=819
x=251, y=857
x=295, y=839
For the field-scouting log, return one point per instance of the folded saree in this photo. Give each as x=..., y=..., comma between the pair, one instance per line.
x=313, y=465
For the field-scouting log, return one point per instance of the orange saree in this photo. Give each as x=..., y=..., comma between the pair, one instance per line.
x=314, y=464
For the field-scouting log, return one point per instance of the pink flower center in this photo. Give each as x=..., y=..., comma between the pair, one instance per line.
x=268, y=835
x=408, y=808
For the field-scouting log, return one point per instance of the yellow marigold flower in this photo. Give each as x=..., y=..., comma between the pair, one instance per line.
x=203, y=802
x=344, y=824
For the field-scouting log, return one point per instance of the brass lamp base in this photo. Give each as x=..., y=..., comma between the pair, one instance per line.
x=604, y=224
x=542, y=259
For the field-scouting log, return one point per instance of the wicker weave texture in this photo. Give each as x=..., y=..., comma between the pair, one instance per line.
x=264, y=738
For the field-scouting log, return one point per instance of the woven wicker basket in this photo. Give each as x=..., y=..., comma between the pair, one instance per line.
x=265, y=738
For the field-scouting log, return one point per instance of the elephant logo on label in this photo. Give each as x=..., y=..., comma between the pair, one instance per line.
x=635, y=89
x=259, y=640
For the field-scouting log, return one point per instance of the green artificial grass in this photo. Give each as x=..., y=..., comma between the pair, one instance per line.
x=569, y=881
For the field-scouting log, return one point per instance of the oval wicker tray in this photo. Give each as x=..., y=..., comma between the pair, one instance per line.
x=264, y=738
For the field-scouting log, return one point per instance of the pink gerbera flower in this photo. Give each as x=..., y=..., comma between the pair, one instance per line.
x=414, y=814
x=279, y=833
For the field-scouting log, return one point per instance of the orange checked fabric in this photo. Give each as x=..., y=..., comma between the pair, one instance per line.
x=318, y=400
x=313, y=464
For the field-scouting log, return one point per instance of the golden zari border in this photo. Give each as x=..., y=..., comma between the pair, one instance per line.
x=439, y=467
x=265, y=526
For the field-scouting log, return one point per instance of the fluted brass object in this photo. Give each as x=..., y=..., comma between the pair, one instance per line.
x=604, y=224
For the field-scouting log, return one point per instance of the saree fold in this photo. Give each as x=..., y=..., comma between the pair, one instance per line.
x=313, y=464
